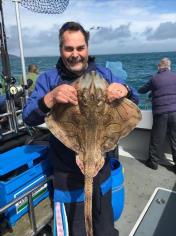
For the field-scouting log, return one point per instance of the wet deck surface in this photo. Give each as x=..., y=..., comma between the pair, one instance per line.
x=140, y=183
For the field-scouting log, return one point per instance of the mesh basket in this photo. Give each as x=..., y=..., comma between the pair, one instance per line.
x=45, y=6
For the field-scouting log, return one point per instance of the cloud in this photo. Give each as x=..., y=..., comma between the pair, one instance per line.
x=43, y=42
x=164, y=31
x=103, y=34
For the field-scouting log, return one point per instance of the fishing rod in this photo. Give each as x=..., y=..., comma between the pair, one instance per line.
x=6, y=75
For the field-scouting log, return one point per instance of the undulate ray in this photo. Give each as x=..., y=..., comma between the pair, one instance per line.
x=92, y=128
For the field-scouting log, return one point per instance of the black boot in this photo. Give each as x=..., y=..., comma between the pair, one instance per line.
x=151, y=164
x=174, y=168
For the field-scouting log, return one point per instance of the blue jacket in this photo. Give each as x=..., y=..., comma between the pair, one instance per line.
x=67, y=174
x=163, y=88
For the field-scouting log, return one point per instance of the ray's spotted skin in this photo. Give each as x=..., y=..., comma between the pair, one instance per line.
x=92, y=128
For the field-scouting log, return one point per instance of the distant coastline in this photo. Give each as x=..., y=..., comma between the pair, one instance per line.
x=13, y=56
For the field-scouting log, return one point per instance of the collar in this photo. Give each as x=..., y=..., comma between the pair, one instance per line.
x=162, y=70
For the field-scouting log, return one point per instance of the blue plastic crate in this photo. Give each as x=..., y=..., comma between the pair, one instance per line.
x=19, y=156
x=37, y=168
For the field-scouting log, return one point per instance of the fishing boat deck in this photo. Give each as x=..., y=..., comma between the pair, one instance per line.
x=140, y=183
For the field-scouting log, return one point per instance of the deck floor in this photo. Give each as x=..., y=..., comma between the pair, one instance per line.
x=140, y=183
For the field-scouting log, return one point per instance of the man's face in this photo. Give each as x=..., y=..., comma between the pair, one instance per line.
x=74, y=51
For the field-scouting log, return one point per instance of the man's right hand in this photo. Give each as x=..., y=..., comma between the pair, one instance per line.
x=62, y=94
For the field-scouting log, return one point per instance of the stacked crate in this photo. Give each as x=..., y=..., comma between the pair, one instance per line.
x=21, y=169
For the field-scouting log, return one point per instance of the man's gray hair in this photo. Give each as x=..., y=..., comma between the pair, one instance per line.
x=165, y=63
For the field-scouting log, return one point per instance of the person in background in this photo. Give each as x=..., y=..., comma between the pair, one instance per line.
x=163, y=92
x=32, y=75
x=54, y=86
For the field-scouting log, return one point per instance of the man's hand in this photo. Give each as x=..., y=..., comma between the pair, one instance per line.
x=116, y=91
x=62, y=94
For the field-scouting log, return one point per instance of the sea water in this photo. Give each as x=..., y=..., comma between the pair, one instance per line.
x=139, y=66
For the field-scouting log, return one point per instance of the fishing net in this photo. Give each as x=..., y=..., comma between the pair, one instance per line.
x=45, y=6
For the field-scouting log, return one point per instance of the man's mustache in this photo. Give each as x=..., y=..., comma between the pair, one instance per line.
x=75, y=60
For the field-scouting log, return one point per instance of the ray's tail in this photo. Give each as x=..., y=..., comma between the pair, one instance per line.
x=88, y=188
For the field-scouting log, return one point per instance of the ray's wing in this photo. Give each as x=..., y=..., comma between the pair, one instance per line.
x=130, y=114
x=121, y=117
x=63, y=122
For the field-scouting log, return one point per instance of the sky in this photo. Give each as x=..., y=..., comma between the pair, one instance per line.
x=115, y=26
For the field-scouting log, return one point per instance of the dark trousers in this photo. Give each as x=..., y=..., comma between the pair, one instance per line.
x=103, y=223
x=163, y=124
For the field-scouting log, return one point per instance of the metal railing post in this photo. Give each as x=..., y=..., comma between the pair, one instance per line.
x=32, y=214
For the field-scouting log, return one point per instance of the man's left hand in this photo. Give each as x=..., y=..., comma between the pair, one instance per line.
x=116, y=91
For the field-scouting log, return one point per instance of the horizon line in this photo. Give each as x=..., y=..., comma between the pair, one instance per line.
x=18, y=56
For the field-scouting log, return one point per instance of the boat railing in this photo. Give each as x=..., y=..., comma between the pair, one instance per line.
x=145, y=104
x=13, y=115
x=28, y=194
